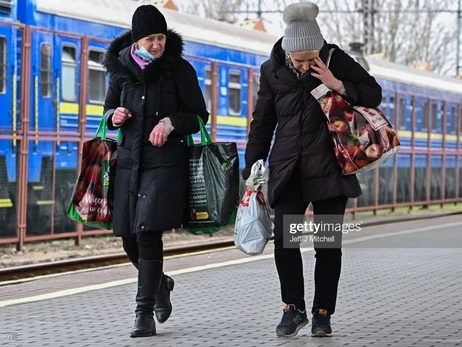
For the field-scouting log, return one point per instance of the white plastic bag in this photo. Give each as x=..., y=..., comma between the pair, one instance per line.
x=253, y=226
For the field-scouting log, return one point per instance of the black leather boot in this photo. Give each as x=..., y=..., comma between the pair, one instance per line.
x=163, y=307
x=149, y=278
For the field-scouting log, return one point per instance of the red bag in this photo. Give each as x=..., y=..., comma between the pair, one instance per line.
x=93, y=195
x=363, y=138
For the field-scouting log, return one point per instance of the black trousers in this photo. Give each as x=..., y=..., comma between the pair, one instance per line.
x=289, y=261
x=146, y=245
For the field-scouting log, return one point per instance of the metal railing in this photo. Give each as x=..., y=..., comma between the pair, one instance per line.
x=37, y=213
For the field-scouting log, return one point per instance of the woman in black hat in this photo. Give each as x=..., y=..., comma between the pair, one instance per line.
x=155, y=98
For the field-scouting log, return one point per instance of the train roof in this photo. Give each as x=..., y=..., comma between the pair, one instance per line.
x=404, y=74
x=118, y=13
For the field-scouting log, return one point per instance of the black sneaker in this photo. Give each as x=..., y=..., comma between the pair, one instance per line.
x=320, y=324
x=292, y=321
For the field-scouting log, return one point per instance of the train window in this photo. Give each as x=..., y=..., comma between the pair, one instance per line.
x=402, y=114
x=3, y=65
x=392, y=110
x=234, y=93
x=68, y=74
x=96, y=77
x=45, y=70
x=460, y=120
x=208, y=87
x=435, y=117
x=453, y=121
x=424, y=116
x=5, y=6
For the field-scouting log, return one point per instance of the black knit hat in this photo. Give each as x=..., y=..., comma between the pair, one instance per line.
x=147, y=20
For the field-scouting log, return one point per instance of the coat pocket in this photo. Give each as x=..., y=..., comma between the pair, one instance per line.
x=146, y=212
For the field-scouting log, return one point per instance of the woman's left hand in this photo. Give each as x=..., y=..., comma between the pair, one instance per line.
x=325, y=75
x=158, y=135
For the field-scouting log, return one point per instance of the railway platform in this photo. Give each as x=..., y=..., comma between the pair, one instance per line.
x=400, y=286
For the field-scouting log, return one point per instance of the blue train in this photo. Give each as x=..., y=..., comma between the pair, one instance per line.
x=425, y=108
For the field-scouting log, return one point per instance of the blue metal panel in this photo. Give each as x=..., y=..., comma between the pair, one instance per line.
x=231, y=132
x=420, y=160
x=34, y=164
x=389, y=163
x=436, y=161
x=404, y=160
x=451, y=161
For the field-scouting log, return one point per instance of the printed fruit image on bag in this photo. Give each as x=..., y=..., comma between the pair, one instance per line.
x=93, y=195
x=363, y=138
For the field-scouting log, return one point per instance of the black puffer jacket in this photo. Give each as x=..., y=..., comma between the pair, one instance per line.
x=302, y=139
x=151, y=182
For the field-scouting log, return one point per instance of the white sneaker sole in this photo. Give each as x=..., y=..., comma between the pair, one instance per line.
x=321, y=333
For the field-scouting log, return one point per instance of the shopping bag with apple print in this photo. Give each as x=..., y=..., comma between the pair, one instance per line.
x=363, y=138
x=92, y=199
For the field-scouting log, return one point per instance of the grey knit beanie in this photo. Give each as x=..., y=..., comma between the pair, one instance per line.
x=302, y=32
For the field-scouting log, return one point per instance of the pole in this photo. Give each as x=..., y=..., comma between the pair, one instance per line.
x=260, y=11
x=368, y=17
x=370, y=44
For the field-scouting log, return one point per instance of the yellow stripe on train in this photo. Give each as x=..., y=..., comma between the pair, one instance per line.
x=5, y=203
x=421, y=135
x=72, y=108
x=97, y=110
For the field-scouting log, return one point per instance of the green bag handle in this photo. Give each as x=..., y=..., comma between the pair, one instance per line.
x=205, y=137
x=103, y=129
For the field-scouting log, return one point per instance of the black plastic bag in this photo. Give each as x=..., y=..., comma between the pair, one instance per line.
x=213, y=190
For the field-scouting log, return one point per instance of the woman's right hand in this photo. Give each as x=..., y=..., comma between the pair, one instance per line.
x=120, y=116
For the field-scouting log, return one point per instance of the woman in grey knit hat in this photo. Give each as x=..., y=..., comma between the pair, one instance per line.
x=303, y=167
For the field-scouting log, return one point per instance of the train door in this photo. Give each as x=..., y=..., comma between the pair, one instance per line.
x=6, y=74
x=67, y=55
x=8, y=124
x=96, y=86
x=43, y=110
x=436, y=141
x=44, y=95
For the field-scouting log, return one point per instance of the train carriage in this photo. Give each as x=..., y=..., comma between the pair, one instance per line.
x=62, y=71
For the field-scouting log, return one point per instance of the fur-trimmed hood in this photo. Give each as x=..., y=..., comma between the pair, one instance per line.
x=119, y=63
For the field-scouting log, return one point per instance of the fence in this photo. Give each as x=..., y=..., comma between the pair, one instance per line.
x=37, y=211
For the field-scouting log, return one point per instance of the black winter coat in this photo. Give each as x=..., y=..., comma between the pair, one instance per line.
x=151, y=182
x=302, y=140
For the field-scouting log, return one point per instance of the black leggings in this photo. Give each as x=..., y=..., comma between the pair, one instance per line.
x=145, y=245
x=289, y=260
